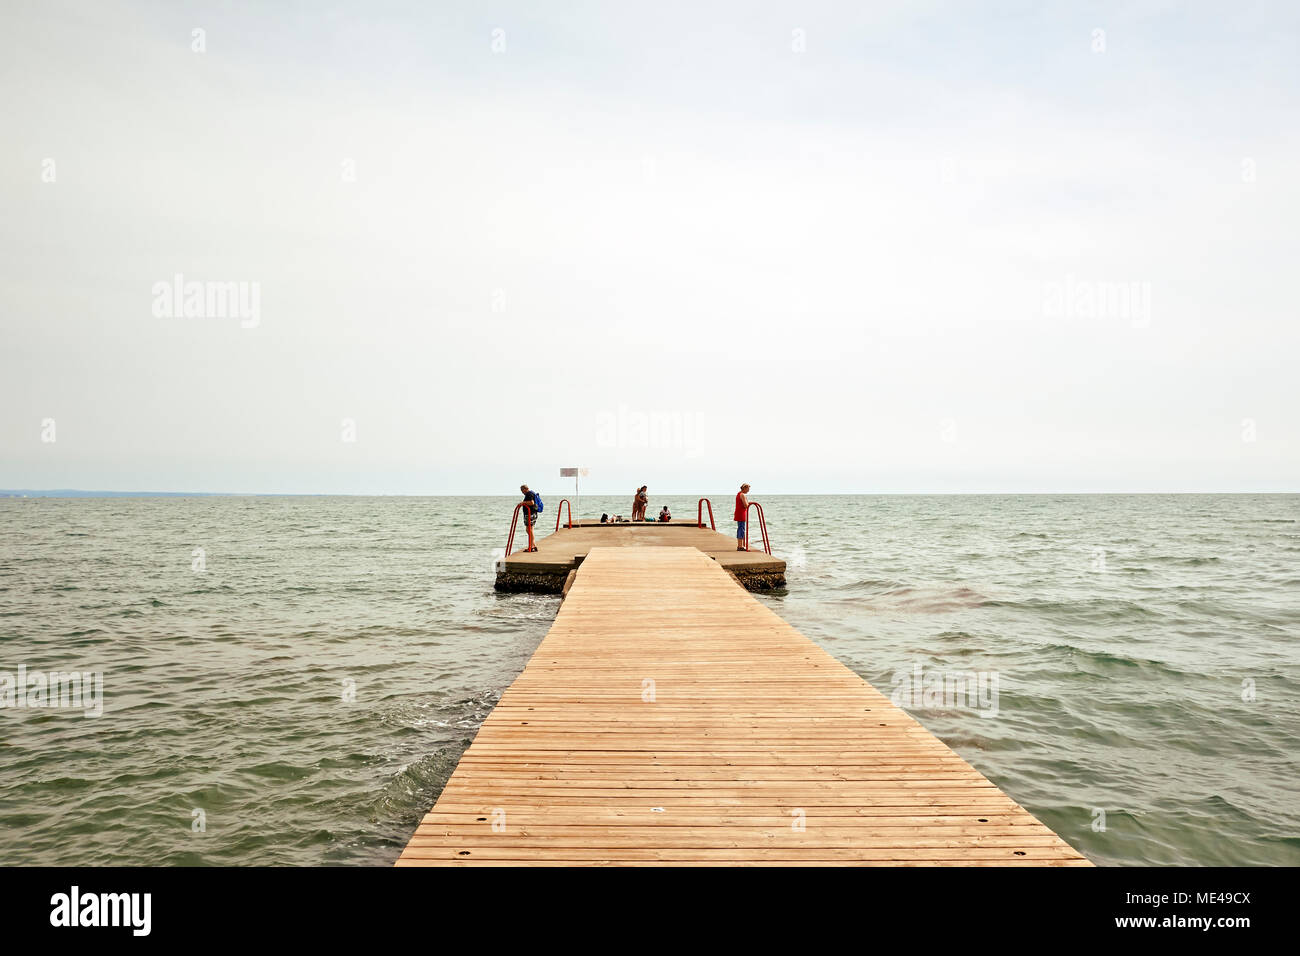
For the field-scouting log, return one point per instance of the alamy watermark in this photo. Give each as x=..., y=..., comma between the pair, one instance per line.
x=919, y=689
x=39, y=690
x=1075, y=298
x=76, y=908
x=179, y=299
x=627, y=427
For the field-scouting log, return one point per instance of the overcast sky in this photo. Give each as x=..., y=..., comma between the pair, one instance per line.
x=821, y=247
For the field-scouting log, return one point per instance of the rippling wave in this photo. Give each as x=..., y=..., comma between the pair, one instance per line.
x=302, y=694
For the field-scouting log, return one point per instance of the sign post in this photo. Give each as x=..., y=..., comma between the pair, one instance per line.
x=573, y=473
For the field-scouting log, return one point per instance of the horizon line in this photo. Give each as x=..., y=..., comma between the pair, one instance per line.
x=106, y=493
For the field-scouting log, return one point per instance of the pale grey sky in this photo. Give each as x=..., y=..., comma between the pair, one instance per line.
x=819, y=247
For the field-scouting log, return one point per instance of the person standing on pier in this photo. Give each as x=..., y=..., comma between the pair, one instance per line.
x=742, y=517
x=530, y=515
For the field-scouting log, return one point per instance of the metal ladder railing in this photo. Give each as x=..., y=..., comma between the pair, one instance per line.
x=762, y=527
x=699, y=514
x=514, y=520
x=557, y=514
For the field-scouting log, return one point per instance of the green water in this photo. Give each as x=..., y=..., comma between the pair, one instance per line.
x=307, y=692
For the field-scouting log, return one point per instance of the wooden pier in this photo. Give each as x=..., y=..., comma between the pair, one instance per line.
x=669, y=718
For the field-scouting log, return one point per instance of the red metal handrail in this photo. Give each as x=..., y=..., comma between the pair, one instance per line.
x=699, y=514
x=514, y=520
x=762, y=526
x=557, y=514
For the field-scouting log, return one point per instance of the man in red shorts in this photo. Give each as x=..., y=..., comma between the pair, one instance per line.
x=742, y=517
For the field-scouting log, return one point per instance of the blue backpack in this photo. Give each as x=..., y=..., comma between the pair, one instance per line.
x=538, y=500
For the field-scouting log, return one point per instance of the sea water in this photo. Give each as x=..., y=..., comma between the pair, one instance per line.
x=291, y=680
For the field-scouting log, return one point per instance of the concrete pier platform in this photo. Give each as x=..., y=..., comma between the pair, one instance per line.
x=546, y=570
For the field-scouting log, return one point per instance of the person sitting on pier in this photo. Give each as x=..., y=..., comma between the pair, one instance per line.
x=664, y=515
x=530, y=515
x=742, y=517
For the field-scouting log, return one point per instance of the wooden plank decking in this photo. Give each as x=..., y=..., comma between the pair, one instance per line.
x=669, y=718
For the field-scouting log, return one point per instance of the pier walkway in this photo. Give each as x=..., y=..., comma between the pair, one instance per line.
x=670, y=718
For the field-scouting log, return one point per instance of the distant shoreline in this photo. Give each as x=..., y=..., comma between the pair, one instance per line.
x=19, y=493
